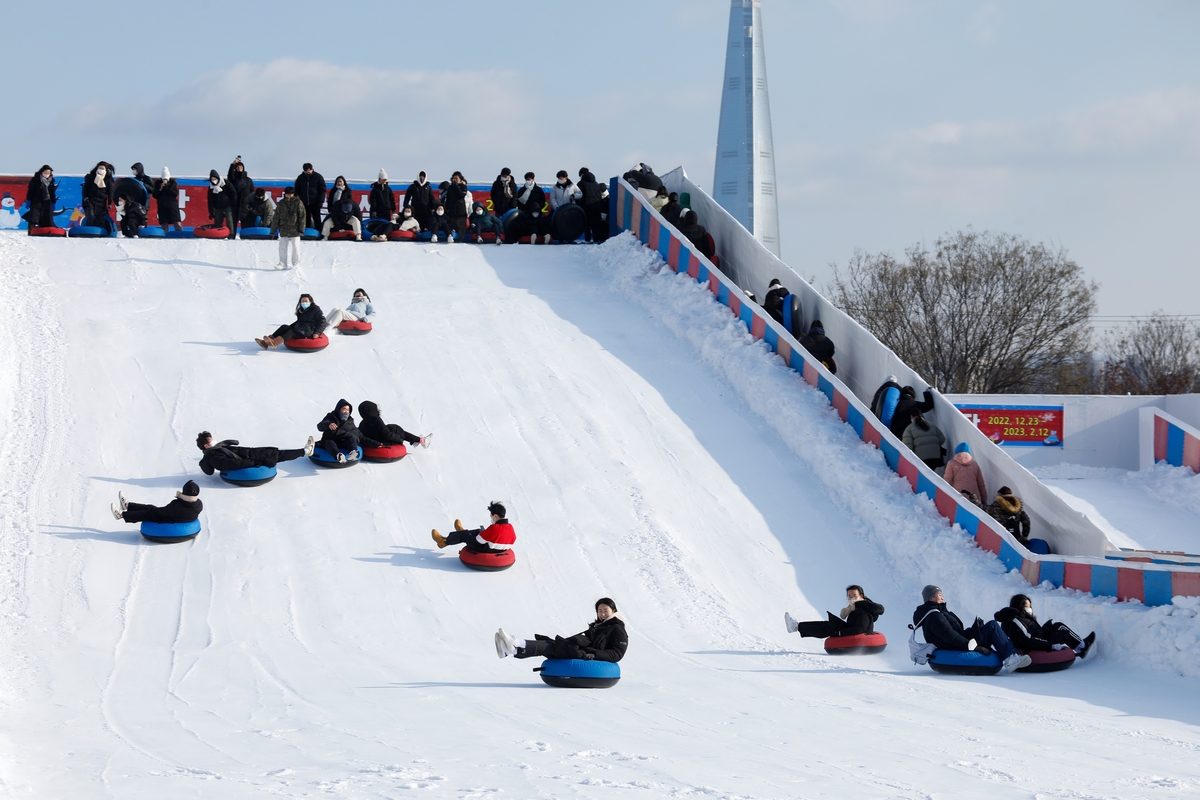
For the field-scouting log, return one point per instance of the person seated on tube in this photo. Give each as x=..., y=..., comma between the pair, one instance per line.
x=604, y=640
x=1026, y=633
x=389, y=434
x=495, y=538
x=858, y=617
x=186, y=507
x=359, y=310
x=440, y=224
x=945, y=631
x=226, y=456
x=338, y=433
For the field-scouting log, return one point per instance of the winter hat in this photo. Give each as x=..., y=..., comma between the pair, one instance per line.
x=930, y=592
x=1004, y=490
x=816, y=327
x=892, y=379
x=202, y=439
x=606, y=601
x=368, y=409
x=908, y=390
x=497, y=508
x=382, y=175
x=166, y=174
x=963, y=447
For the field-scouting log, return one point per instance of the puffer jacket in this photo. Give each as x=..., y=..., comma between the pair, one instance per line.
x=309, y=321
x=603, y=641
x=562, y=195
x=383, y=201
x=225, y=455
x=964, y=474
x=1009, y=512
x=1023, y=630
x=926, y=443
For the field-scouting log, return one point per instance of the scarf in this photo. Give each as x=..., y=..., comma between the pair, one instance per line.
x=45, y=187
x=99, y=179
x=337, y=194
x=187, y=497
x=509, y=187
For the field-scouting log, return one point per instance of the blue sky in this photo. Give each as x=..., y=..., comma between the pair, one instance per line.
x=1074, y=123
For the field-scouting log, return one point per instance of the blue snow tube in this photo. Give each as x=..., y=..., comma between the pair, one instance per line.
x=133, y=189
x=87, y=232
x=968, y=662
x=424, y=236
x=255, y=233
x=890, y=399
x=151, y=232
x=186, y=233
x=1039, y=546
x=168, y=532
x=311, y=235
x=321, y=458
x=250, y=476
x=576, y=673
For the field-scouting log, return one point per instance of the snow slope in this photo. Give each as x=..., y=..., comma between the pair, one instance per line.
x=312, y=642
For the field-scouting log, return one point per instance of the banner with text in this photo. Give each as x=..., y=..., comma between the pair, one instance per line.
x=1017, y=426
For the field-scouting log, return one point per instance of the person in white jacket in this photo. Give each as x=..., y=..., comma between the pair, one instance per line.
x=564, y=192
x=407, y=222
x=359, y=310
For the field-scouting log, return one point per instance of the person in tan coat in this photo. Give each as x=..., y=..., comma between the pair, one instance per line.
x=964, y=474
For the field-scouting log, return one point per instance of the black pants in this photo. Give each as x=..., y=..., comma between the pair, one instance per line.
x=539, y=225
x=131, y=225
x=558, y=647
x=399, y=435
x=144, y=512
x=289, y=455
x=469, y=538
x=223, y=218
x=378, y=227
x=287, y=332
x=1059, y=633
x=598, y=228
x=934, y=463
x=40, y=217
x=312, y=216
x=334, y=444
x=440, y=226
x=459, y=224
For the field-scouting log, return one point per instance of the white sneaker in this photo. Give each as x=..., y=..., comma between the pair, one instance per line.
x=341, y=458
x=309, y=446
x=547, y=238
x=426, y=440
x=433, y=239
x=116, y=511
x=790, y=623
x=281, y=266
x=353, y=455
x=504, y=644
x=124, y=502
x=1016, y=661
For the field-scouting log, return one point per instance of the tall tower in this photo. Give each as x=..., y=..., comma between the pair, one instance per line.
x=744, y=180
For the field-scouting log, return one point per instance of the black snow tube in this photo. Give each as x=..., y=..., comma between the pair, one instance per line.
x=133, y=189
x=568, y=223
x=514, y=225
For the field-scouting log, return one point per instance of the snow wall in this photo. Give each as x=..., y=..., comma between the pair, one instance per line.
x=864, y=362
x=1098, y=430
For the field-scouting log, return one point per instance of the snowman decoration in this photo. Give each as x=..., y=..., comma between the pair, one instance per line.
x=9, y=218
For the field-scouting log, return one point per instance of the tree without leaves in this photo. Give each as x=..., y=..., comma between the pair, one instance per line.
x=984, y=314
x=1160, y=355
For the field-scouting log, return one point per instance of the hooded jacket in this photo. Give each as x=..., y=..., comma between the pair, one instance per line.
x=1009, y=512
x=374, y=427
x=139, y=172
x=309, y=321
x=944, y=629
x=819, y=345
x=689, y=225
x=592, y=192
x=1023, y=630
x=419, y=197
x=219, y=196
x=773, y=302
x=484, y=222
x=383, y=201
x=964, y=474
x=342, y=205
x=346, y=430
x=862, y=618
x=603, y=641
x=225, y=455
x=242, y=187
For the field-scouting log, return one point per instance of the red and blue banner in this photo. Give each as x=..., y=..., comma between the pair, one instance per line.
x=1017, y=426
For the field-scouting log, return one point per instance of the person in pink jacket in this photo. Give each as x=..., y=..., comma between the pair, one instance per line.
x=964, y=474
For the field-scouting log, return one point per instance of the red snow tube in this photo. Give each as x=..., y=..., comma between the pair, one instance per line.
x=485, y=237
x=209, y=232
x=401, y=236
x=47, y=232
x=859, y=644
x=341, y=236
x=307, y=345
x=385, y=455
x=354, y=327
x=1049, y=660
x=487, y=562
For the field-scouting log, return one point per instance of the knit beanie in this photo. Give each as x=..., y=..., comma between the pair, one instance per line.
x=930, y=592
x=191, y=489
x=382, y=175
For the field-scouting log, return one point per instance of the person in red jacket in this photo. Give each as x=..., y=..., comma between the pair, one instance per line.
x=495, y=538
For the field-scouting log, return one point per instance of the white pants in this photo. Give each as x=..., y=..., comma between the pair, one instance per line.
x=289, y=244
x=338, y=316
x=354, y=223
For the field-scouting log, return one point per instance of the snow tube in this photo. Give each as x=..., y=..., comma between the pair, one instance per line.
x=1039, y=546
x=311, y=235
x=890, y=398
x=1049, y=660
x=342, y=236
x=386, y=454
x=401, y=236
x=151, y=232
x=209, y=232
x=968, y=662
x=859, y=644
x=424, y=236
x=307, y=345
x=49, y=231
x=88, y=232
x=168, y=532
x=354, y=327
x=577, y=673
x=321, y=458
x=133, y=189
x=486, y=237
x=256, y=233
x=568, y=223
x=513, y=224
x=793, y=316
x=186, y=233
x=487, y=562
x=250, y=476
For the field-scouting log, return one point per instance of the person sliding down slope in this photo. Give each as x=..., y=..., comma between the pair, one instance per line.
x=604, y=640
x=225, y=455
x=858, y=617
x=1026, y=633
x=338, y=433
x=945, y=631
x=495, y=538
x=186, y=507
x=374, y=427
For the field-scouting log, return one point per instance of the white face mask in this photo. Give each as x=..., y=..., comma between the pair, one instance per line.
x=101, y=171
x=529, y=184
x=440, y=212
x=479, y=212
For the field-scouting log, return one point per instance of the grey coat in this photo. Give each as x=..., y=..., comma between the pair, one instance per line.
x=927, y=445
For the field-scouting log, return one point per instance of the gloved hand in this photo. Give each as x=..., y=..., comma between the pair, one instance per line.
x=1060, y=647
x=588, y=657
x=983, y=650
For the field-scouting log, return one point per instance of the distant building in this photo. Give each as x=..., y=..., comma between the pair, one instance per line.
x=744, y=179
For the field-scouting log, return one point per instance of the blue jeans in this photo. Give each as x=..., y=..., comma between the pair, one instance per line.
x=994, y=637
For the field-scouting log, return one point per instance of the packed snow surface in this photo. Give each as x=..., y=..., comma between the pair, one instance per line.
x=312, y=642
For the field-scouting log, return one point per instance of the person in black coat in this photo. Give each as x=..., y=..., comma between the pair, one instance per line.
x=944, y=630
x=98, y=197
x=419, y=197
x=1009, y=512
x=858, y=617
x=644, y=179
x=672, y=210
x=375, y=428
x=139, y=173
x=309, y=324
x=689, y=225
x=906, y=406
x=595, y=204
x=344, y=211
x=821, y=347
x=133, y=216
x=454, y=199
x=338, y=433
x=225, y=455
x=42, y=196
x=531, y=202
x=310, y=188
x=1027, y=634
x=240, y=183
x=504, y=193
x=604, y=640
x=166, y=192
x=773, y=301
x=222, y=203
x=186, y=507
x=383, y=199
